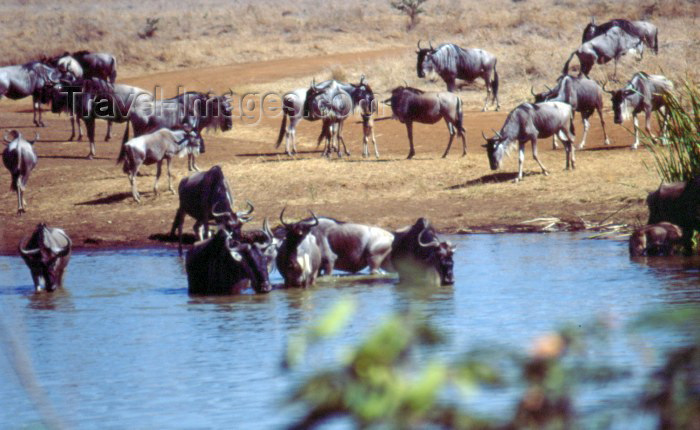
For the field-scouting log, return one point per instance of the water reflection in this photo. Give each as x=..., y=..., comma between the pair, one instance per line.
x=124, y=338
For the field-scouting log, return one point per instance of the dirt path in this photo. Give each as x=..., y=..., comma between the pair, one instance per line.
x=91, y=199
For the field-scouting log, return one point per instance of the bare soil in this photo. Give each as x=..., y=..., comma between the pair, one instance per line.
x=91, y=199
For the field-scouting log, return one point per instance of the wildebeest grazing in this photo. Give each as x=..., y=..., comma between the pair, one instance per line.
x=528, y=122
x=583, y=94
x=611, y=45
x=299, y=256
x=31, y=79
x=644, y=30
x=677, y=203
x=20, y=159
x=351, y=247
x=223, y=265
x=153, y=148
x=46, y=252
x=204, y=196
x=420, y=257
x=410, y=105
x=451, y=62
x=655, y=240
x=643, y=93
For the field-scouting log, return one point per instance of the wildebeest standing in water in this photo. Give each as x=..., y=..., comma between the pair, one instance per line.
x=299, y=255
x=611, y=45
x=46, y=252
x=677, y=203
x=643, y=93
x=644, y=30
x=528, y=122
x=20, y=159
x=223, y=265
x=420, y=257
x=655, y=240
x=31, y=79
x=410, y=105
x=451, y=62
x=583, y=94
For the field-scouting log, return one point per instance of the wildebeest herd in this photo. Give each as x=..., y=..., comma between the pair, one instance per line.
x=83, y=84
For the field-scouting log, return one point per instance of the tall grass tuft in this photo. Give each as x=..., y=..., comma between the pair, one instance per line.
x=680, y=159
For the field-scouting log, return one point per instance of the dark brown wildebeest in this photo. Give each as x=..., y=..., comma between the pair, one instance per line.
x=46, y=252
x=420, y=257
x=411, y=105
x=679, y=204
x=655, y=240
x=299, y=256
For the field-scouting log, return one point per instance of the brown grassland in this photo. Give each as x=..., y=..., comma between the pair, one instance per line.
x=268, y=46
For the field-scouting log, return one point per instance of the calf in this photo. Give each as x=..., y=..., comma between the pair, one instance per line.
x=20, y=159
x=655, y=240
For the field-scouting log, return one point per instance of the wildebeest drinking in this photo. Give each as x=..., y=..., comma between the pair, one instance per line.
x=655, y=240
x=46, y=252
x=679, y=204
x=420, y=257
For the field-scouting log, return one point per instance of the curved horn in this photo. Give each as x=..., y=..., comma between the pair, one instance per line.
x=496, y=133
x=433, y=243
x=24, y=251
x=362, y=79
x=546, y=86
x=532, y=90
x=266, y=230
x=483, y=135
x=405, y=83
x=36, y=137
x=282, y=218
x=315, y=219
x=4, y=136
x=219, y=214
x=430, y=42
x=419, y=48
x=243, y=216
x=387, y=101
x=603, y=87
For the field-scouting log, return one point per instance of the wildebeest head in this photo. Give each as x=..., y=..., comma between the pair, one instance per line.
x=544, y=95
x=253, y=263
x=46, y=253
x=496, y=148
x=655, y=240
x=441, y=256
x=298, y=264
x=589, y=31
x=619, y=102
x=363, y=96
x=424, y=63
x=232, y=221
x=300, y=229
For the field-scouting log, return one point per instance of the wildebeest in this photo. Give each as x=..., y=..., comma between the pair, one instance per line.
x=451, y=62
x=223, y=265
x=411, y=104
x=153, y=148
x=299, y=255
x=420, y=257
x=644, y=30
x=583, y=94
x=204, y=196
x=20, y=159
x=611, y=45
x=643, y=93
x=655, y=240
x=350, y=246
x=332, y=104
x=46, y=252
x=31, y=79
x=265, y=241
x=528, y=122
x=679, y=204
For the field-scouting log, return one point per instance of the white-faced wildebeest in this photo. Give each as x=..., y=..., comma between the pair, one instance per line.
x=31, y=79
x=153, y=148
x=643, y=93
x=644, y=30
x=583, y=94
x=611, y=45
x=655, y=240
x=46, y=252
x=528, y=122
x=451, y=62
x=20, y=159
x=299, y=255
x=410, y=105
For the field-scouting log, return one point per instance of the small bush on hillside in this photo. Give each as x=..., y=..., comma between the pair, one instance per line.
x=411, y=8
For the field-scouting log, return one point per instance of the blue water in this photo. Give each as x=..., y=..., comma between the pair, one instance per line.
x=124, y=346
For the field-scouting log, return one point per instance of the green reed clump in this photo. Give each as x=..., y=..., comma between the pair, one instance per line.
x=680, y=159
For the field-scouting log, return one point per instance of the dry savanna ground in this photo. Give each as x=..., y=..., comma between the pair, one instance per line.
x=258, y=47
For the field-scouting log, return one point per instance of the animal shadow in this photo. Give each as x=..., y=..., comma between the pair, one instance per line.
x=106, y=200
x=495, y=178
x=187, y=238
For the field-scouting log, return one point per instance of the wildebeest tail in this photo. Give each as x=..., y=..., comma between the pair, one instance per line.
x=565, y=70
x=571, y=123
x=122, y=151
x=656, y=42
x=282, y=129
x=494, y=84
x=460, y=118
x=113, y=75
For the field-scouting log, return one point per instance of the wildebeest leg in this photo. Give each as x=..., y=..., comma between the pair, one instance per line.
x=450, y=84
x=409, y=129
x=534, y=155
x=340, y=138
x=134, y=190
x=569, y=147
x=554, y=142
x=521, y=160
x=647, y=123
x=586, y=126
x=602, y=124
x=90, y=127
x=109, y=131
x=636, y=131
x=374, y=141
x=451, y=129
x=170, y=179
x=159, y=168
x=487, y=82
x=36, y=107
x=20, y=197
